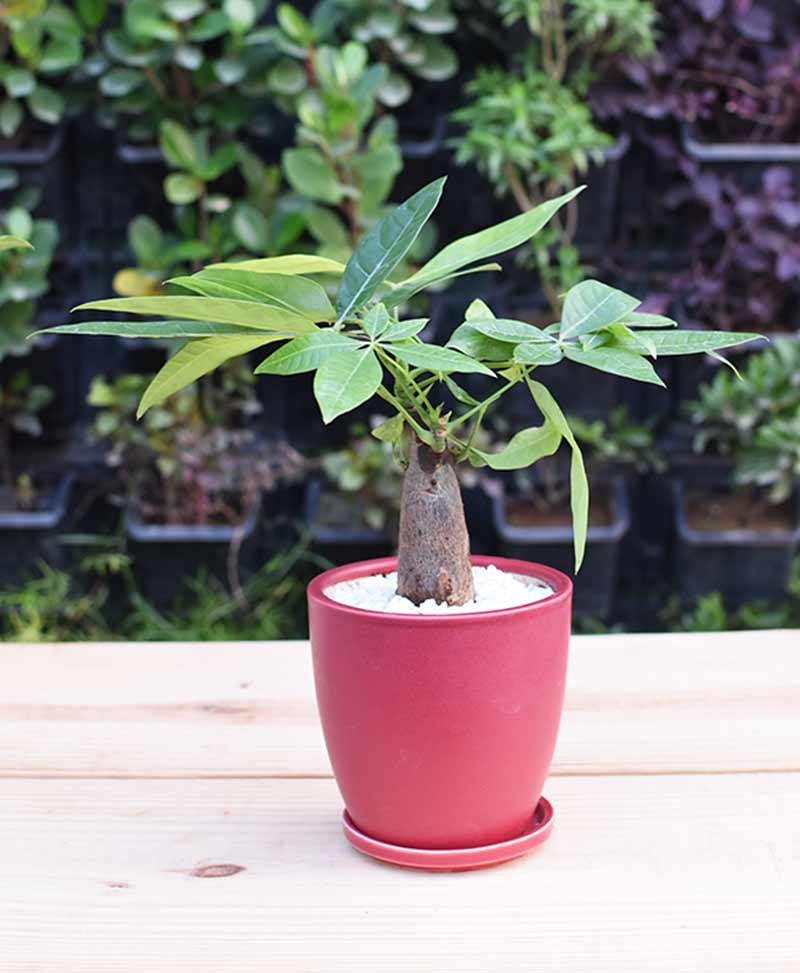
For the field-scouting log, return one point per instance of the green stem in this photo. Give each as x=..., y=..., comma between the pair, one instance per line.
x=387, y=396
x=481, y=406
x=408, y=384
x=474, y=432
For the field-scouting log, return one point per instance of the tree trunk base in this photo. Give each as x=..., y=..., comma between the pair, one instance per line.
x=433, y=548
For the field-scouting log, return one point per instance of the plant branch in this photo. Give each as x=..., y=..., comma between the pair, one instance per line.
x=482, y=406
x=387, y=396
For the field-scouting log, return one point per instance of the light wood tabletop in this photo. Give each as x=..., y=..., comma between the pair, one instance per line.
x=170, y=808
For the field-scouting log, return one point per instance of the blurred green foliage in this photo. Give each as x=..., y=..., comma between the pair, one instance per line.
x=756, y=422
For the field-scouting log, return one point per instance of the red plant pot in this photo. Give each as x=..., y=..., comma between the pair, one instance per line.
x=440, y=728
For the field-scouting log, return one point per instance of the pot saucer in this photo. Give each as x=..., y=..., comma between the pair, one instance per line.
x=455, y=859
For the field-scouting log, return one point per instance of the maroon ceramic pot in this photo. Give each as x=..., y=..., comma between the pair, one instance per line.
x=440, y=729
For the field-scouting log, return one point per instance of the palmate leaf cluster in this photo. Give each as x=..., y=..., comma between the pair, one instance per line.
x=361, y=346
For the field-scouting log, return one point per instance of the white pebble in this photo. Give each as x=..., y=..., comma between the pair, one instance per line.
x=493, y=589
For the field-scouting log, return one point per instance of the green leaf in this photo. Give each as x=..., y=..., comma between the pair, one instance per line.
x=19, y=82
x=402, y=330
x=345, y=380
x=488, y=243
x=11, y=116
x=181, y=189
x=146, y=240
x=641, y=319
x=383, y=247
x=290, y=263
x=390, y=431
x=245, y=313
x=149, y=329
x=242, y=14
x=537, y=353
x=459, y=394
x=142, y=19
x=221, y=161
x=178, y=146
x=295, y=24
x=402, y=292
x=375, y=172
x=209, y=26
x=195, y=359
x=435, y=359
x=692, y=342
x=592, y=305
x=579, y=484
x=468, y=339
x=306, y=353
x=298, y=295
x=328, y=229
x=376, y=321
x=509, y=330
x=525, y=448
x=640, y=342
x=251, y=227
x=92, y=12
x=182, y=10
x=46, y=104
x=229, y=70
x=120, y=81
x=14, y=243
x=287, y=78
x=20, y=222
x=310, y=175
x=616, y=361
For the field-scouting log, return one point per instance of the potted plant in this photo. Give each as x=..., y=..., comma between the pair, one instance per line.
x=743, y=254
x=345, y=158
x=415, y=41
x=212, y=220
x=405, y=42
x=530, y=509
x=723, y=71
x=743, y=499
x=201, y=64
x=36, y=290
x=439, y=678
x=191, y=478
x=531, y=129
x=226, y=204
x=33, y=500
x=41, y=48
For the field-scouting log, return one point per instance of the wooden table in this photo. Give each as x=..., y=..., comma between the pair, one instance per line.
x=170, y=808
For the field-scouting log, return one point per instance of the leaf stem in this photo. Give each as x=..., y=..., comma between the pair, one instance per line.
x=387, y=396
x=482, y=406
x=399, y=373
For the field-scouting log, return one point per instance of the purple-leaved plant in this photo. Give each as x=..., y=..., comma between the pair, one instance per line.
x=729, y=67
x=744, y=250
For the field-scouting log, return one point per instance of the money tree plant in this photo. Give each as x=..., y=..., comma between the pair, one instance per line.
x=361, y=346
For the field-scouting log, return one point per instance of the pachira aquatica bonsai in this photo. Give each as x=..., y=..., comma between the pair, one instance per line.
x=363, y=347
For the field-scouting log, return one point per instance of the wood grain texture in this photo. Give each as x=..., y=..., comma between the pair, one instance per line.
x=635, y=704
x=674, y=874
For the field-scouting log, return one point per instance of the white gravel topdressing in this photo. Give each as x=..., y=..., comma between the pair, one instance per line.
x=493, y=589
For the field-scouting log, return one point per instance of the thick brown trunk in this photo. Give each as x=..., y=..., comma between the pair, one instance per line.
x=433, y=547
